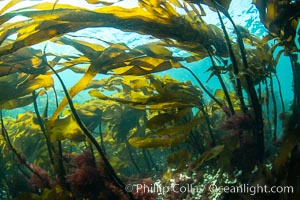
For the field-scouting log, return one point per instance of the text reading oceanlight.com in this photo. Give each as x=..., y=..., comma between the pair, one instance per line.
x=241, y=189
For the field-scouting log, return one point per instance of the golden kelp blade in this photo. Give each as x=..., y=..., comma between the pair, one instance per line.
x=143, y=102
x=27, y=125
x=106, y=3
x=208, y=155
x=89, y=114
x=289, y=143
x=143, y=66
x=105, y=58
x=18, y=102
x=13, y=91
x=278, y=18
x=165, y=94
x=69, y=19
x=112, y=57
x=141, y=142
x=64, y=128
x=91, y=72
x=40, y=81
x=219, y=93
x=222, y=5
x=165, y=137
x=155, y=49
x=179, y=160
x=26, y=60
x=89, y=50
x=175, y=130
x=136, y=82
x=9, y=5
x=176, y=3
x=159, y=120
x=79, y=86
x=43, y=31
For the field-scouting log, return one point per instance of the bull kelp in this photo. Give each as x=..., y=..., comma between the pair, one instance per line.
x=85, y=115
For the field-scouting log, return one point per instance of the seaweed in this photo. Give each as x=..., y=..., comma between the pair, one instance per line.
x=135, y=122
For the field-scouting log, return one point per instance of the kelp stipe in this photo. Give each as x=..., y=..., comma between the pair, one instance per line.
x=61, y=170
x=100, y=132
x=42, y=126
x=214, y=68
x=294, y=120
x=204, y=88
x=225, y=90
x=234, y=65
x=280, y=93
x=255, y=104
x=21, y=159
x=132, y=159
x=202, y=106
x=55, y=95
x=107, y=165
x=274, y=110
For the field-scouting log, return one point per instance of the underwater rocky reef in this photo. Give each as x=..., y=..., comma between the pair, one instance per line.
x=149, y=99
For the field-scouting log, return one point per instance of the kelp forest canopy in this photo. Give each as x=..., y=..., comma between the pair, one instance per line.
x=82, y=116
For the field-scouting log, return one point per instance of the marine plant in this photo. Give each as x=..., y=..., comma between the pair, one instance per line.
x=135, y=122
